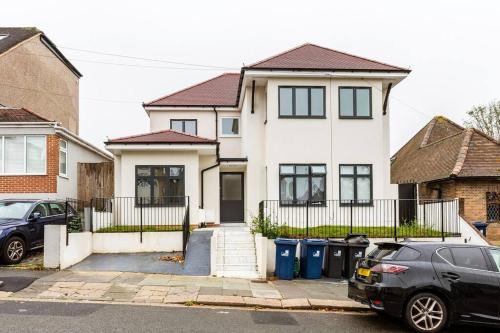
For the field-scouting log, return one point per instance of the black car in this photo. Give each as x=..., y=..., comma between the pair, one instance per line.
x=22, y=225
x=431, y=285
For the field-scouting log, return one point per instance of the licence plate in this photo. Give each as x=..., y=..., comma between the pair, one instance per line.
x=364, y=272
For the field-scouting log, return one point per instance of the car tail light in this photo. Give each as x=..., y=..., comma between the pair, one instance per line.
x=389, y=268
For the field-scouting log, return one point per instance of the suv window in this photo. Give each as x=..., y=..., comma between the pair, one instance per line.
x=384, y=251
x=495, y=254
x=469, y=257
x=407, y=254
x=42, y=209
x=56, y=208
x=446, y=254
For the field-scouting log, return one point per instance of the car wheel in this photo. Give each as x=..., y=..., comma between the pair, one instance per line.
x=426, y=312
x=14, y=250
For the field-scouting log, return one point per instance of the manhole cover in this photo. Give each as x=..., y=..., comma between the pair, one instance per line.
x=273, y=318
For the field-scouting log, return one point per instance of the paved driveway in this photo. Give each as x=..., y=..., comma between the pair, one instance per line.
x=197, y=259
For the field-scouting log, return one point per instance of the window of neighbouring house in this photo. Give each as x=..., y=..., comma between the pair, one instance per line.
x=230, y=126
x=355, y=102
x=189, y=126
x=492, y=206
x=63, y=158
x=301, y=102
x=23, y=154
x=356, y=184
x=159, y=185
x=302, y=182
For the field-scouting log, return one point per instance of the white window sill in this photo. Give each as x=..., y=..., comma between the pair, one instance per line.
x=64, y=176
x=229, y=136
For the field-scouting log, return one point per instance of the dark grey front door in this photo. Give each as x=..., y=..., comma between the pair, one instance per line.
x=231, y=197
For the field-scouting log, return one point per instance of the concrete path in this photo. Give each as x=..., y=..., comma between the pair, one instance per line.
x=173, y=289
x=197, y=261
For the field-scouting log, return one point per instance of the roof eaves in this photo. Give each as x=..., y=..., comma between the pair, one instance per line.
x=53, y=48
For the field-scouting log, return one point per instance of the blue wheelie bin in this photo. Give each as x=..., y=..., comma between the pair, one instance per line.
x=311, y=258
x=481, y=226
x=285, y=257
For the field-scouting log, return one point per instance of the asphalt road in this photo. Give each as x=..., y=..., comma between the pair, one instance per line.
x=85, y=317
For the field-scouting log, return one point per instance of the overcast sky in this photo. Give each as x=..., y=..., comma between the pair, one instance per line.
x=451, y=46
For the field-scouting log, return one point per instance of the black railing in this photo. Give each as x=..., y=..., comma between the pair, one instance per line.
x=377, y=218
x=138, y=214
x=186, y=230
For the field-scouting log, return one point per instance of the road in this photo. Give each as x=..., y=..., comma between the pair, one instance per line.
x=85, y=317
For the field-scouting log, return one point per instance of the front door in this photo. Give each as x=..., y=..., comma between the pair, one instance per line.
x=231, y=197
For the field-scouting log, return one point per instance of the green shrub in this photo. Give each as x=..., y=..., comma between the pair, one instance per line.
x=264, y=226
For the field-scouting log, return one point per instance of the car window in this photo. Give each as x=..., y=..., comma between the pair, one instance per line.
x=13, y=209
x=56, y=208
x=495, y=253
x=42, y=209
x=469, y=257
x=446, y=254
x=407, y=254
x=384, y=251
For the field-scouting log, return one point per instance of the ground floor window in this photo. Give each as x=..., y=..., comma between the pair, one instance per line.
x=23, y=154
x=159, y=185
x=356, y=184
x=300, y=183
x=492, y=206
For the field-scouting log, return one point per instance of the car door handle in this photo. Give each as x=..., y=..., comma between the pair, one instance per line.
x=452, y=277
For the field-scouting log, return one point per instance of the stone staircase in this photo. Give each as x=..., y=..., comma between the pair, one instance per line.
x=236, y=252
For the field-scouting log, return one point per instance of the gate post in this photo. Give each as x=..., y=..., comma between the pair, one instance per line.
x=140, y=206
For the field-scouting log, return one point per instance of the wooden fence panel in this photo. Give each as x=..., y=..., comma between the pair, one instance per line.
x=95, y=180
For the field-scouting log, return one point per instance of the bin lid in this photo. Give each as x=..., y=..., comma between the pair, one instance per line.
x=285, y=241
x=357, y=239
x=336, y=242
x=313, y=241
x=480, y=224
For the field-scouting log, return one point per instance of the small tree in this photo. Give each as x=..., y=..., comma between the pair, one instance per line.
x=485, y=118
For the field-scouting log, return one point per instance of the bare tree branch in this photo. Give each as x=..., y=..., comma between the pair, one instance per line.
x=485, y=118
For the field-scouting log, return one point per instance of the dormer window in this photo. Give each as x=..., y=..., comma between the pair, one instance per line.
x=301, y=102
x=188, y=126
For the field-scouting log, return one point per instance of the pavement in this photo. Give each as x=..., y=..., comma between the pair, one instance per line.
x=164, y=289
x=62, y=317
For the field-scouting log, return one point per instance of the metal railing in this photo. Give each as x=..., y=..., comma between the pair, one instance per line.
x=186, y=230
x=377, y=218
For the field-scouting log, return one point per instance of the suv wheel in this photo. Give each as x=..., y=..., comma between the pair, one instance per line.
x=426, y=312
x=14, y=250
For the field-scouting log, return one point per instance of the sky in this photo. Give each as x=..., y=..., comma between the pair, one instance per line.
x=450, y=45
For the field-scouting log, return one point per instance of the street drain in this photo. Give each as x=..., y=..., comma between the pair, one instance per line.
x=273, y=318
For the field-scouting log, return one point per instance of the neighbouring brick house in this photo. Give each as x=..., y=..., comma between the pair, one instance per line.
x=445, y=160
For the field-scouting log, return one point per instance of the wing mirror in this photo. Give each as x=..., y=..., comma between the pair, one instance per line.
x=35, y=216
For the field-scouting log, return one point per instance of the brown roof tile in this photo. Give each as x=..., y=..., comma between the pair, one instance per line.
x=14, y=36
x=19, y=115
x=449, y=151
x=166, y=136
x=218, y=91
x=314, y=57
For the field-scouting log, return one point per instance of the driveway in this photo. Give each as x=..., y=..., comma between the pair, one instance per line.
x=197, y=259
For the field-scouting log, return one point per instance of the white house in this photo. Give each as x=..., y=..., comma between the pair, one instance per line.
x=310, y=123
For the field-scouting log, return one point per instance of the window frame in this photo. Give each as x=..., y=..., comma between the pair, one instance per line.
x=25, y=156
x=355, y=201
x=180, y=203
x=64, y=150
x=222, y=135
x=354, y=102
x=294, y=115
x=309, y=176
x=184, y=125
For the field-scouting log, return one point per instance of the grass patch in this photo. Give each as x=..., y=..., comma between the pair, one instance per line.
x=137, y=228
x=373, y=232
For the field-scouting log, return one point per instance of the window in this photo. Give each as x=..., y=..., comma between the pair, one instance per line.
x=56, y=208
x=445, y=253
x=492, y=206
x=42, y=209
x=355, y=102
x=63, y=158
x=356, y=184
x=189, y=126
x=301, y=102
x=469, y=257
x=23, y=154
x=230, y=126
x=495, y=254
x=302, y=182
x=407, y=254
x=159, y=185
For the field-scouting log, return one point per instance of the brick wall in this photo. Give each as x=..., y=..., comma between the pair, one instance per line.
x=36, y=184
x=472, y=193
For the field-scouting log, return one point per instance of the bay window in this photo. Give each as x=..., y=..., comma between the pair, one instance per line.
x=302, y=182
x=356, y=184
x=23, y=154
x=159, y=185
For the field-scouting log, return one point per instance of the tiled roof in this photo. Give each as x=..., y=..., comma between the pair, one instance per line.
x=314, y=57
x=8, y=114
x=443, y=149
x=219, y=91
x=166, y=136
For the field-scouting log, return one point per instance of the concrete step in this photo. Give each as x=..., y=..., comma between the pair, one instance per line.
x=236, y=245
x=237, y=259
x=242, y=252
x=237, y=267
x=239, y=274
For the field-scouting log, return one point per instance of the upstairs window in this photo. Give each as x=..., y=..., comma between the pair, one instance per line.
x=159, y=185
x=63, y=158
x=189, y=126
x=23, y=154
x=230, y=126
x=302, y=182
x=356, y=184
x=301, y=102
x=355, y=102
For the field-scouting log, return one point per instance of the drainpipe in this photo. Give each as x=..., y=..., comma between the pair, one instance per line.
x=202, y=201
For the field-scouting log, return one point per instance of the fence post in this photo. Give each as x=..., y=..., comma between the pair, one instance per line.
x=91, y=215
x=442, y=220
x=395, y=221
x=351, y=204
x=307, y=218
x=140, y=212
x=66, y=221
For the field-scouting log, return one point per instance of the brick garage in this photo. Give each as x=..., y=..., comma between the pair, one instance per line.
x=36, y=184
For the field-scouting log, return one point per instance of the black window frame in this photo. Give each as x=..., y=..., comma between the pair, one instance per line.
x=354, y=102
x=309, y=115
x=184, y=125
x=309, y=176
x=172, y=201
x=355, y=201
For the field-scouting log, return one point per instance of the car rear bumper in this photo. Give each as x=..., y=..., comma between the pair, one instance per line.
x=377, y=296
